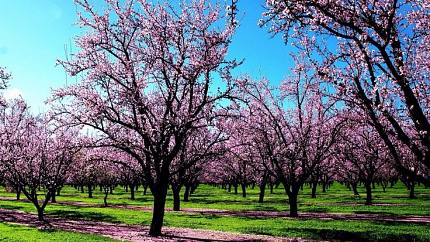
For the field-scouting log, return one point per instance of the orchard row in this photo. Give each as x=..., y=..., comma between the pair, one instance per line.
x=157, y=103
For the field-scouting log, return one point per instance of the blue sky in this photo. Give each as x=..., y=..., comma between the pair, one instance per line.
x=34, y=34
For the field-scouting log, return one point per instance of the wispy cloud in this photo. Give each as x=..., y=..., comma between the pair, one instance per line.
x=12, y=93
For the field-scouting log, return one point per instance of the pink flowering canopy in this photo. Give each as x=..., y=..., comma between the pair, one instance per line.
x=375, y=56
x=150, y=75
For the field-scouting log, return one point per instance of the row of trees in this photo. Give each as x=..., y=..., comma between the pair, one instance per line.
x=160, y=106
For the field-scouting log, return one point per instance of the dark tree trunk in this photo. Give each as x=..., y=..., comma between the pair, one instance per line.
x=368, y=186
x=235, y=188
x=324, y=186
x=354, y=188
x=159, y=193
x=229, y=187
x=53, y=197
x=145, y=188
x=176, y=190
x=105, y=197
x=187, y=193
x=243, y=189
x=59, y=191
x=262, y=189
x=132, y=186
x=82, y=189
x=271, y=188
x=111, y=190
x=90, y=191
x=412, y=190
x=126, y=188
x=292, y=199
x=40, y=214
x=18, y=193
x=314, y=189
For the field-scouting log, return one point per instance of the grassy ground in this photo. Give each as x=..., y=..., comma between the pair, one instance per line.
x=13, y=232
x=337, y=199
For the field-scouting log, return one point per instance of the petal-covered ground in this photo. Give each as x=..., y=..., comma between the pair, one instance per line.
x=128, y=232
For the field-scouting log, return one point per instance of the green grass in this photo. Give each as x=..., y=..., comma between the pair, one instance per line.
x=18, y=233
x=337, y=199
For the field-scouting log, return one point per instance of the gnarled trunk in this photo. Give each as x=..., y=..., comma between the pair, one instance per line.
x=159, y=193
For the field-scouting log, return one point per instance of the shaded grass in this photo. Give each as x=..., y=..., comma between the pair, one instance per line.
x=18, y=233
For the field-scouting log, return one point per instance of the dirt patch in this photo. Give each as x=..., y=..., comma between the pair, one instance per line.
x=129, y=232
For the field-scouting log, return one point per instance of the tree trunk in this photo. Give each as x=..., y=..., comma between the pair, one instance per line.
x=324, y=186
x=105, y=197
x=176, y=198
x=18, y=193
x=229, y=187
x=90, y=191
x=82, y=189
x=145, y=188
x=368, y=186
x=187, y=193
x=243, y=189
x=412, y=190
x=262, y=189
x=40, y=214
x=53, y=197
x=354, y=188
x=159, y=193
x=132, y=192
x=235, y=188
x=314, y=189
x=292, y=199
x=271, y=188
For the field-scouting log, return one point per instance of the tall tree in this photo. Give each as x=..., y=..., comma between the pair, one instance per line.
x=150, y=74
x=298, y=126
x=377, y=60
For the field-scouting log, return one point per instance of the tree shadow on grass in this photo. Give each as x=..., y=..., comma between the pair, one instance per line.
x=11, y=207
x=376, y=212
x=75, y=215
x=316, y=210
x=340, y=235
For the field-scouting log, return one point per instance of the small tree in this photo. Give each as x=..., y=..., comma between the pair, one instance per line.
x=34, y=153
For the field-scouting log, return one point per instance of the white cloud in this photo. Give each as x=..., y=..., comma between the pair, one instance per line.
x=12, y=93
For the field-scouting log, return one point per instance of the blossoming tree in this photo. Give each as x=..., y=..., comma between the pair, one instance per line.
x=149, y=76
